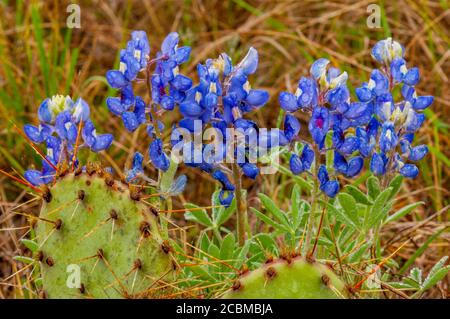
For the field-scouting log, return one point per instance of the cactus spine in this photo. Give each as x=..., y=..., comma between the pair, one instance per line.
x=97, y=240
x=295, y=278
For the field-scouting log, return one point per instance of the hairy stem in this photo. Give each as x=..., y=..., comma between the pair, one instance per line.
x=314, y=198
x=241, y=206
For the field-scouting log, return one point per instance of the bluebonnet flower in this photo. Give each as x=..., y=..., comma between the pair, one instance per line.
x=167, y=88
x=137, y=168
x=157, y=156
x=325, y=96
x=299, y=164
x=133, y=59
x=60, y=120
x=385, y=51
x=168, y=85
x=388, y=136
x=329, y=187
x=220, y=100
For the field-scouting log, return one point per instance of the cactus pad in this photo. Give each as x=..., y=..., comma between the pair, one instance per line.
x=92, y=223
x=288, y=279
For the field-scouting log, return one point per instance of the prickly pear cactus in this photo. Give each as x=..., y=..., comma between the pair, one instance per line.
x=97, y=240
x=288, y=279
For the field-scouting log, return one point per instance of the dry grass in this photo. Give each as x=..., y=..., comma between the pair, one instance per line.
x=288, y=35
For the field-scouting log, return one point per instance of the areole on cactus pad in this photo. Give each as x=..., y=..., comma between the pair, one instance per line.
x=296, y=278
x=97, y=240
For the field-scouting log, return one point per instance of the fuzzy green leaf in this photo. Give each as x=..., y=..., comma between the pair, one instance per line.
x=30, y=244
x=373, y=186
x=198, y=215
x=396, y=184
x=269, y=221
x=270, y=206
x=348, y=203
x=342, y=216
x=358, y=195
x=436, y=274
x=378, y=212
x=227, y=247
x=403, y=211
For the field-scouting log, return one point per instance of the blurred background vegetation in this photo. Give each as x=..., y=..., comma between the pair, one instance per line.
x=40, y=56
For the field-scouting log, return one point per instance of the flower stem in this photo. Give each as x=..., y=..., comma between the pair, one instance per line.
x=312, y=214
x=241, y=205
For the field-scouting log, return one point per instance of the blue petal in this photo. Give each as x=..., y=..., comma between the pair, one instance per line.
x=418, y=152
x=291, y=127
x=182, y=54
x=102, y=142
x=169, y=43
x=187, y=124
x=34, y=177
x=409, y=170
x=130, y=121
x=288, y=102
x=338, y=96
x=318, y=68
x=381, y=82
x=422, y=102
x=116, y=79
x=295, y=164
x=226, y=201
x=257, y=97
x=250, y=62
x=331, y=188
x=157, y=156
x=355, y=110
x=87, y=133
x=167, y=103
x=223, y=179
x=340, y=163
x=81, y=110
x=364, y=94
x=355, y=166
x=322, y=175
x=191, y=109
x=412, y=77
x=250, y=170
x=319, y=124
x=377, y=164
x=307, y=156
x=397, y=66
x=181, y=82
x=33, y=133
x=388, y=137
x=308, y=93
x=138, y=160
x=44, y=113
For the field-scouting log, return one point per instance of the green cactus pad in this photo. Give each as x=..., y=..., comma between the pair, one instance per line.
x=296, y=279
x=91, y=222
